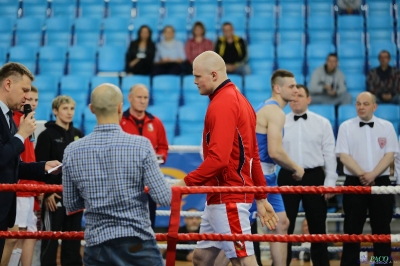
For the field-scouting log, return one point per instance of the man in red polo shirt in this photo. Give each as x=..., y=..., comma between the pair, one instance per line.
x=137, y=121
x=27, y=202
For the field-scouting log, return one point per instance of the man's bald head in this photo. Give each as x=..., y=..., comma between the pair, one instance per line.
x=210, y=61
x=105, y=100
x=367, y=95
x=209, y=72
x=138, y=87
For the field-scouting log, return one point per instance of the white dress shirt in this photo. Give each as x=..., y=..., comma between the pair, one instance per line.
x=366, y=145
x=310, y=143
x=4, y=108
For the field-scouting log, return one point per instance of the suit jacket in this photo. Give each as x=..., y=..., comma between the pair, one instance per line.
x=12, y=168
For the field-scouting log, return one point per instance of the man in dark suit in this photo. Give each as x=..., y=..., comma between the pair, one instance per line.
x=15, y=83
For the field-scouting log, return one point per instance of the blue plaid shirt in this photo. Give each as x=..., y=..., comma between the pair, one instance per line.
x=105, y=172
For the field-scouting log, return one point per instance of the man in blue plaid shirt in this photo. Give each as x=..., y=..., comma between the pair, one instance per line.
x=106, y=172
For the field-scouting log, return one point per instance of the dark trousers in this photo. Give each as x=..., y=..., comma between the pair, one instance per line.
x=257, y=251
x=70, y=249
x=167, y=69
x=152, y=211
x=3, y=227
x=314, y=206
x=356, y=206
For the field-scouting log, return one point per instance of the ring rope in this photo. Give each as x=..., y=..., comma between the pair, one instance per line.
x=202, y=190
x=393, y=238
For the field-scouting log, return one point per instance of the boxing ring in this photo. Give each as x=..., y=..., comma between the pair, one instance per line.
x=172, y=237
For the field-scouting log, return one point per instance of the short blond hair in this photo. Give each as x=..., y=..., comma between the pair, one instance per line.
x=34, y=89
x=62, y=99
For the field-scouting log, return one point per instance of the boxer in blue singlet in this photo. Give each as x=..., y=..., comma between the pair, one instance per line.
x=269, y=130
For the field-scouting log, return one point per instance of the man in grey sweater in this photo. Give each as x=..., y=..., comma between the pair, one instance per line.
x=328, y=85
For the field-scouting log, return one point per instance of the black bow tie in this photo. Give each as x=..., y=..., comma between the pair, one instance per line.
x=370, y=124
x=297, y=117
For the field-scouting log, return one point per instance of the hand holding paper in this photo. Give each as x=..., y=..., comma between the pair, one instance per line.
x=53, y=167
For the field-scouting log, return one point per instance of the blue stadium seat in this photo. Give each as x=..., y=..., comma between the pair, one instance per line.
x=54, y=38
x=82, y=68
x=262, y=8
x=291, y=64
x=42, y=113
x=159, y=97
x=320, y=36
x=347, y=36
x=325, y=110
x=235, y=9
x=148, y=21
x=129, y=81
x=6, y=25
x=166, y=83
x=52, y=54
x=34, y=9
x=144, y=9
x=46, y=83
x=111, y=59
x=356, y=82
x=29, y=38
x=166, y=112
x=319, y=50
x=354, y=22
x=96, y=81
x=78, y=83
x=95, y=9
x=120, y=39
x=237, y=80
x=256, y=99
x=187, y=139
x=81, y=54
x=89, y=39
x=255, y=84
x=120, y=10
x=290, y=51
x=3, y=55
x=291, y=23
x=174, y=8
x=262, y=23
x=351, y=50
x=380, y=22
x=116, y=24
x=390, y=112
x=381, y=8
x=262, y=67
x=29, y=24
x=261, y=37
x=64, y=9
x=261, y=51
x=23, y=53
x=291, y=36
x=87, y=24
x=320, y=22
x=191, y=119
x=345, y=112
x=321, y=8
x=9, y=10
x=288, y=9
x=89, y=121
x=179, y=23
x=58, y=24
x=193, y=97
x=205, y=9
x=376, y=47
x=51, y=68
x=380, y=34
x=352, y=66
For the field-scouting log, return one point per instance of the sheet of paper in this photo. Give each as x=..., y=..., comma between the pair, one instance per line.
x=53, y=169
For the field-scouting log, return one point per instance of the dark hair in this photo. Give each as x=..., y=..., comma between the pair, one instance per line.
x=168, y=26
x=34, y=89
x=301, y=86
x=227, y=24
x=16, y=70
x=280, y=73
x=384, y=51
x=333, y=55
x=140, y=30
x=199, y=24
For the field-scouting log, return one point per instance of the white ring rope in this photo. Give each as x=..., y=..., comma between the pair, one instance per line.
x=385, y=190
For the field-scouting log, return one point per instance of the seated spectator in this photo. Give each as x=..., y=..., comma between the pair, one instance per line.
x=328, y=85
x=170, y=54
x=384, y=81
x=349, y=6
x=197, y=44
x=233, y=50
x=140, y=56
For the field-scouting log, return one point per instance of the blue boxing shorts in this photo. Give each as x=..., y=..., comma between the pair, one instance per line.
x=274, y=199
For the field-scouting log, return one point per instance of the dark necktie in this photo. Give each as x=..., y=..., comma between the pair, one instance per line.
x=297, y=117
x=13, y=127
x=370, y=124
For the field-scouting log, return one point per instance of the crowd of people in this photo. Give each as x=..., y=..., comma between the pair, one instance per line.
x=242, y=146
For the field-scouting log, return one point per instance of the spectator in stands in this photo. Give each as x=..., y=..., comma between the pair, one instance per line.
x=328, y=85
x=197, y=44
x=51, y=144
x=233, y=50
x=26, y=203
x=170, y=54
x=137, y=121
x=349, y=6
x=140, y=56
x=384, y=81
x=366, y=146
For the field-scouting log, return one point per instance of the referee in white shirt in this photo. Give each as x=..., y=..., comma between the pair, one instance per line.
x=366, y=146
x=310, y=142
